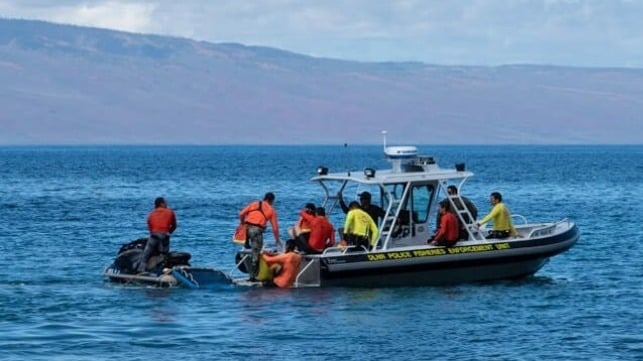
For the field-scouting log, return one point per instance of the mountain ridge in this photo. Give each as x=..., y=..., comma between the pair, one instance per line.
x=65, y=84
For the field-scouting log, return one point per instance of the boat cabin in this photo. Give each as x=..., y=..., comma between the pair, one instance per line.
x=408, y=192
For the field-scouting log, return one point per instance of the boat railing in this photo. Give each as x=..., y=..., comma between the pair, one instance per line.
x=391, y=218
x=236, y=266
x=461, y=210
x=343, y=249
x=547, y=229
x=304, y=270
x=522, y=218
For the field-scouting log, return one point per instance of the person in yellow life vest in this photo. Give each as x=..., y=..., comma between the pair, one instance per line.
x=285, y=266
x=359, y=227
x=499, y=214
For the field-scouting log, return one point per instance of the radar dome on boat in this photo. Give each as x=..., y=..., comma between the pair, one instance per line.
x=401, y=152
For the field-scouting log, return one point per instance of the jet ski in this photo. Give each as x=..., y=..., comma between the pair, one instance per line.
x=172, y=269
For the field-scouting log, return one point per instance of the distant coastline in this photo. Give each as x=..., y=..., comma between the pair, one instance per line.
x=65, y=84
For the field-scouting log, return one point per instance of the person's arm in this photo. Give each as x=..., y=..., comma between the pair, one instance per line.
x=442, y=230
x=490, y=216
x=243, y=213
x=472, y=208
x=275, y=226
x=380, y=212
x=332, y=236
x=307, y=216
x=348, y=222
x=374, y=231
x=342, y=203
x=272, y=259
x=173, y=224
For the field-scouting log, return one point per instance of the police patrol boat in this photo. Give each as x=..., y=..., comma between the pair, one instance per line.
x=409, y=193
x=169, y=270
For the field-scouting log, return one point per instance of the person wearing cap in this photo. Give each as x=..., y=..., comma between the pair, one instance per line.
x=359, y=227
x=256, y=216
x=374, y=211
x=161, y=222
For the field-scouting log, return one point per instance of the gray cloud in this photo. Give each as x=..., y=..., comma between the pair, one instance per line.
x=563, y=32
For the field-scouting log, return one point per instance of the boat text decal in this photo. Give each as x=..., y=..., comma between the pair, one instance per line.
x=438, y=251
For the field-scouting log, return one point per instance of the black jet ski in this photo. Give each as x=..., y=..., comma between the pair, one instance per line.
x=164, y=270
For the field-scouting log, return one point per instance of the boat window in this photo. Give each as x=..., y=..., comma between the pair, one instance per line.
x=352, y=191
x=397, y=191
x=417, y=204
x=421, y=198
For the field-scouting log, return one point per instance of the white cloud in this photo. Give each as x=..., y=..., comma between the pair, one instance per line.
x=119, y=15
x=575, y=32
x=135, y=17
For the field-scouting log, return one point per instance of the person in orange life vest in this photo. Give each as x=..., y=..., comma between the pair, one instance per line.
x=449, y=230
x=255, y=216
x=161, y=222
x=322, y=234
x=285, y=266
x=301, y=231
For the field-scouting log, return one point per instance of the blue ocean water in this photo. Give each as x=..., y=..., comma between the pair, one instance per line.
x=64, y=211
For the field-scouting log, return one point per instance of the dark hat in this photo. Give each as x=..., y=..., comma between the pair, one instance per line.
x=269, y=196
x=310, y=206
x=365, y=195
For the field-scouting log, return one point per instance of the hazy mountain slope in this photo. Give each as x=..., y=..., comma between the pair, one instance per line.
x=74, y=85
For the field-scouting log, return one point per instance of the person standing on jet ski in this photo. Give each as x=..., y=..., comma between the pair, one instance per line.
x=161, y=222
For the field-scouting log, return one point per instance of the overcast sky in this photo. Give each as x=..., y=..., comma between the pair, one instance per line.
x=601, y=33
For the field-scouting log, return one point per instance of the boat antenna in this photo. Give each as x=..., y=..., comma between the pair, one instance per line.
x=384, y=136
x=348, y=169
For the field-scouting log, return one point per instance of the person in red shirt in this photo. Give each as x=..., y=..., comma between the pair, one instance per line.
x=322, y=232
x=301, y=231
x=161, y=222
x=449, y=230
x=285, y=266
x=256, y=216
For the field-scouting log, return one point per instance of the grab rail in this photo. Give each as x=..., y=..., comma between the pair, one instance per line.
x=237, y=265
x=546, y=229
x=343, y=249
x=308, y=265
x=521, y=217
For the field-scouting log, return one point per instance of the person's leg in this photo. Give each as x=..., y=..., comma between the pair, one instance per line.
x=164, y=243
x=255, y=237
x=301, y=242
x=150, y=247
x=498, y=234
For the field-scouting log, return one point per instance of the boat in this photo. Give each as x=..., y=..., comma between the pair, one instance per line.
x=169, y=270
x=409, y=192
